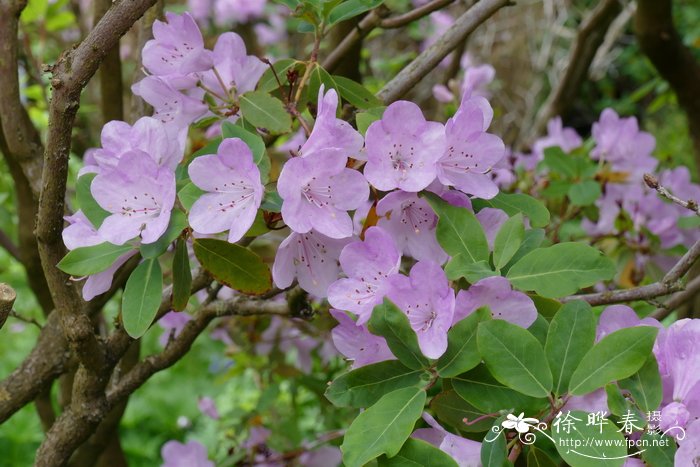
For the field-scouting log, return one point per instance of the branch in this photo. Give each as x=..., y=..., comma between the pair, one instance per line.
x=22, y=138
x=667, y=285
x=429, y=58
x=179, y=346
x=653, y=183
x=590, y=37
x=378, y=18
x=400, y=21
x=677, y=300
x=21, y=146
x=70, y=75
x=78, y=422
x=675, y=62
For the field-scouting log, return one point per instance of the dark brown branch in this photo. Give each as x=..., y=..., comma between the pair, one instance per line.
x=660, y=41
x=21, y=146
x=590, y=37
x=47, y=361
x=21, y=136
x=429, y=58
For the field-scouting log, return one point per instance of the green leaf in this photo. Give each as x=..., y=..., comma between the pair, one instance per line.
x=317, y=77
x=391, y=323
x=514, y=357
x=561, y=269
x=493, y=448
x=508, y=240
x=539, y=328
x=595, y=448
x=660, y=450
x=462, y=354
x=182, y=276
x=142, y=297
x=513, y=203
x=93, y=211
x=584, y=193
x=189, y=194
x=559, y=162
x=264, y=111
x=384, y=427
x=618, y=355
x=268, y=82
x=546, y=307
x=355, y=93
x=178, y=223
x=571, y=335
x=364, y=386
x=645, y=385
x=254, y=142
x=351, y=8
x=459, y=231
x=233, y=265
x=272, y=201
x=459, y=267
x=532, y=240
x=451, y=409
x=617, y=403
x=418, y=453
x=538, y=458
x=365, y=119
x=92, y=259
x=479, y=388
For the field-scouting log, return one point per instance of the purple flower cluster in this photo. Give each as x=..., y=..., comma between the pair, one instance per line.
x=402, y=154
x=135, y=169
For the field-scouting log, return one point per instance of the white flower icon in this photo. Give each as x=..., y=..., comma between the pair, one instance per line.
x=521, y=424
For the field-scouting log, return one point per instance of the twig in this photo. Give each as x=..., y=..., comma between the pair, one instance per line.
x=677, y=300
x=16, y=315
x=178, y=347
x=378, y=18
x=400, y=21
x=364, y=27
x=653, y=182
x=670, y=283
x=429, y=59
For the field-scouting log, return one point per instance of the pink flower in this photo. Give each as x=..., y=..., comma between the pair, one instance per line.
x=234, y=191
x=403, y=149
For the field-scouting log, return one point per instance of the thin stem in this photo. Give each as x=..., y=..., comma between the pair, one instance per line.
x=653, y=182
